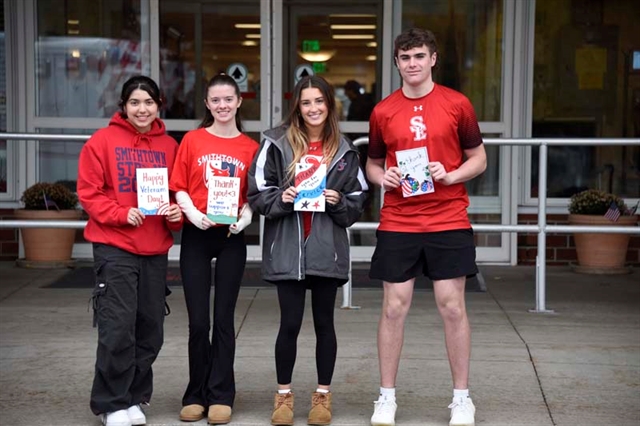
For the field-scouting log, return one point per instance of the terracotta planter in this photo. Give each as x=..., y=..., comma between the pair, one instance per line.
x=601, y=253
x=50, y=246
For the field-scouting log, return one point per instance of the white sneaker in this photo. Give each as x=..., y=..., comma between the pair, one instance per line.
x=136, y=415
x=384, y=413
x=462, y=412
x=116, y=418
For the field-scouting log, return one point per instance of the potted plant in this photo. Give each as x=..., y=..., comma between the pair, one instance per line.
x=48, y=247
x=600, y=253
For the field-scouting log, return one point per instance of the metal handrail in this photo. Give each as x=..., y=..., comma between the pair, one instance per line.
x=541, y=228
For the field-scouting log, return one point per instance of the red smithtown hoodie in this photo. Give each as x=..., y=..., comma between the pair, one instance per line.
x=107, y=185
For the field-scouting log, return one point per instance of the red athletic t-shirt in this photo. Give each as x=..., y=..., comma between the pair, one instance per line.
x=202, y=155
x=445, y=123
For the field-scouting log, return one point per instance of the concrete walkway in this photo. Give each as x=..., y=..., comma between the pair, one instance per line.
x=578, y=366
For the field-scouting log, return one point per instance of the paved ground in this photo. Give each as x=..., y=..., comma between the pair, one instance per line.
x=578, y=366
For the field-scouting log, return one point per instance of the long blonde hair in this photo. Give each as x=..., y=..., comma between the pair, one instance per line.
x=297, y=133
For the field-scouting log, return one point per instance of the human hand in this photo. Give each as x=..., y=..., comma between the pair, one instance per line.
x=289, y=195
x=206, y=223
x=174, y=214
x=332, y=197
x=391, y=179
x=439, y=173
x=135, y=217
x=246, y=214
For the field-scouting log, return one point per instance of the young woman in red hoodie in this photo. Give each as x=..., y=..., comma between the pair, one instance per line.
x=217, y=148
x=129, y=249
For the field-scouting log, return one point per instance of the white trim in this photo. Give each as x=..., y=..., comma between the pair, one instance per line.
x=266, y=65
x=390, y=74
x=277, y=53
x=154, y=39
x=525, y=153
x=10, y=95
x=391, y=26
x=145, y=38
x=28, y=84
x=75, y=123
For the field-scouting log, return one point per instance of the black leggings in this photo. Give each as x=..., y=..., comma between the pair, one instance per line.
x=291, y=295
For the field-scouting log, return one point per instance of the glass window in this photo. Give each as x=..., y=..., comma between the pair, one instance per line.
x=198, y=41
x=469, y=34
x=58, y=160
x=487, y=184
x=339, y=43
x=586, y=87
x=85, y=51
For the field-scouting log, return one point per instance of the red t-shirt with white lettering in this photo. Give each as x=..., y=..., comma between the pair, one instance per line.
x=202, y=155
x=445, y=123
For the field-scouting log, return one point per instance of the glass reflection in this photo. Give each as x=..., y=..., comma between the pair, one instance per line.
x=586, y=87
x=200, y=41
x=470, y=40
x=58, y=160
x=83, y=56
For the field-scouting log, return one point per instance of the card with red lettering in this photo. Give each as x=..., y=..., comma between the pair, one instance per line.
x=224, y=196
x=311, y=181
x=153, y=190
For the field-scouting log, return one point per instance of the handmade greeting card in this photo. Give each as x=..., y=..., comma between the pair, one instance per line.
x=414, y=165
x=153, y=190
x=224, y=196
x=311, y=181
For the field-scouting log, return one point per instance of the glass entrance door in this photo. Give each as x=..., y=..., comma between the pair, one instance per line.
x=339, y=41
x=342, y=41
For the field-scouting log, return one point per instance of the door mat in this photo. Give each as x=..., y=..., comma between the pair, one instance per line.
x=82, y=277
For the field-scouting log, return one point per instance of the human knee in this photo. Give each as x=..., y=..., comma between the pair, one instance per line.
x=452, y=310
x=395, y=309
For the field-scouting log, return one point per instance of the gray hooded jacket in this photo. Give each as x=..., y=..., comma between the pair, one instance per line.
x=285, y=253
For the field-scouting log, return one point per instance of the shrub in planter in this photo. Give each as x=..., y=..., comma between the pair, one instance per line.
x=600, y=253
x=48, y=247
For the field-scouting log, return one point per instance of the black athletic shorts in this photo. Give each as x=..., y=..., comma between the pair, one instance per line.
x=400, y=256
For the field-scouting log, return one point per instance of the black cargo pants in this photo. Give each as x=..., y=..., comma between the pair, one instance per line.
x=129, y=307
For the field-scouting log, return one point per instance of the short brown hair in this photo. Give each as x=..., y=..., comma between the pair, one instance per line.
x=415, y=37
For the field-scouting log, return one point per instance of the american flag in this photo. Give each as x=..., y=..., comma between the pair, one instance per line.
x=613, y=213
x=407, y=190
x=48, y=202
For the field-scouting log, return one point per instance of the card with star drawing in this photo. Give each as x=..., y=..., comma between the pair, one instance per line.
x=311, y=181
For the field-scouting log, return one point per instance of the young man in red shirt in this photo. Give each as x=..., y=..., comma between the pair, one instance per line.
x=429, y=233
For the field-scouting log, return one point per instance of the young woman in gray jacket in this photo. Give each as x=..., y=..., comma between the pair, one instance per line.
x=304, y=249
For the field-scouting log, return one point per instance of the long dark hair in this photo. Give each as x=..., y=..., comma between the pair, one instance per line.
x=141, y=82
x=297, y=128
x=221, y=80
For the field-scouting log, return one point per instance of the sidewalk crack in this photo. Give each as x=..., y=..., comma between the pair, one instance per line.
x=246, y=313
x=533, y=364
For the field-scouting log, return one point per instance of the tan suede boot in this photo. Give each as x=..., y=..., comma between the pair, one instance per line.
x=192, y=413
x=282, y=410
x=320, y=413
x=219, y=414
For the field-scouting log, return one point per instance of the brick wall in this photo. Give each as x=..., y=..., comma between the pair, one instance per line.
x=560, y=247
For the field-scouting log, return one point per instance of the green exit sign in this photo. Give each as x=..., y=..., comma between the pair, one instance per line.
x=319, y=67
x=310, y=45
